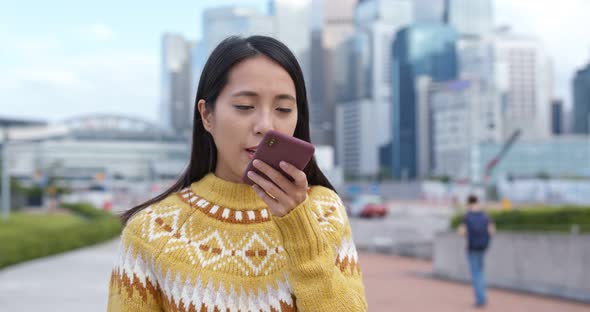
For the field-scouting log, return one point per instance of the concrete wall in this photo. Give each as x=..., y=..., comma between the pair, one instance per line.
x=549, y=264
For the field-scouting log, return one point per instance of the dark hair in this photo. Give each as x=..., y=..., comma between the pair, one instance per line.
x=472, y=199
x=213, y=79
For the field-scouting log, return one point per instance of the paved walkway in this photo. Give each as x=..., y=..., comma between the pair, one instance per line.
x=399, y=284
x=78, y=281
x=74, y=281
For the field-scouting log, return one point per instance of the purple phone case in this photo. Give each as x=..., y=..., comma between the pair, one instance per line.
x=276, y=147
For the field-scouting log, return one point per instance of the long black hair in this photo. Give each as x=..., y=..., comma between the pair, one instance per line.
x=213, y=79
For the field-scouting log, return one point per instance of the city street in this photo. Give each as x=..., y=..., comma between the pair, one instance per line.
x=78, y=281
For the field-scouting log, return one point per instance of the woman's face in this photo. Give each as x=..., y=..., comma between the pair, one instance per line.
x=259, y=96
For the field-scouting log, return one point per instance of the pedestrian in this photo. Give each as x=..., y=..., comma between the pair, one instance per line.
x=478, y=227
x=214, y=243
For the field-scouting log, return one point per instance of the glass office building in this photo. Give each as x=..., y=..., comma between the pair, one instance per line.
x=426, y=49
x=582, y=101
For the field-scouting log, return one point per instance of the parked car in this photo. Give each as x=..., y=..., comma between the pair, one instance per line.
x=367, y=206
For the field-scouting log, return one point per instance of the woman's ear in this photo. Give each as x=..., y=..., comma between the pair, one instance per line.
x=205, y=115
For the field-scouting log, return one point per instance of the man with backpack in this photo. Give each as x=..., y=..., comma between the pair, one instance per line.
x=478, y=227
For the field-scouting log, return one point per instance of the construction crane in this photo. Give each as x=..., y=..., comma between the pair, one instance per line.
x=505, y=148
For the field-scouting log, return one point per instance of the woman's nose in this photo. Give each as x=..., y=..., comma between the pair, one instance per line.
x=263, y=123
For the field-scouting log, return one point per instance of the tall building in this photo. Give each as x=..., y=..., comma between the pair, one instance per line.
x=364, y=79
x=429, y=11
x=220, y=23
x=557, y=113
x=426, y=49
x=292, y=26
x=476, y=60
x=357, y=141
x=332, y=24
x=378, y=21
x=469, y=17
x=523, y=75
x=581, y=116
x=176, y=104
x=460, y=114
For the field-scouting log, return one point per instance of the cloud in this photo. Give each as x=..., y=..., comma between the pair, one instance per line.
x=100, y=32
x=123, y=82
x=51, y=76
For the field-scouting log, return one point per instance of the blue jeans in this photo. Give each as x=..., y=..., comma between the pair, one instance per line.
x=477, y=275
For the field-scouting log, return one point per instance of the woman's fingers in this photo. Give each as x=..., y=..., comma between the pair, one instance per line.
x=271, y=189
x=278, y=192
x=269, y=201
x=297, y=175
x=274, y=175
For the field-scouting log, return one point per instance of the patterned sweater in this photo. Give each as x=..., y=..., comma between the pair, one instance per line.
x=215, y=246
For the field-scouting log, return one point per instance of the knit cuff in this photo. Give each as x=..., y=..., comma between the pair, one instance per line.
x=301, y=233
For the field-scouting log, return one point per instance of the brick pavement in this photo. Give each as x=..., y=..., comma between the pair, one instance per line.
x=400, y=284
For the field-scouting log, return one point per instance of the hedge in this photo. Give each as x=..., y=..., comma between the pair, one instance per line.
x=30, y=242
x=547, y=219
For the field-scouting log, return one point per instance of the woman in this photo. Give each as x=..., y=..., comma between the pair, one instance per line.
x=212, y=243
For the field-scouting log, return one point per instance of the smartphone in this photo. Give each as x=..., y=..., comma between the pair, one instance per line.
x=276, y=147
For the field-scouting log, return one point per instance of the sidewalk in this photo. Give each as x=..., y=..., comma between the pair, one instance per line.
x=400, y=284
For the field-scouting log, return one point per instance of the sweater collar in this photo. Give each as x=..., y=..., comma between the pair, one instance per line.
x=237, y=196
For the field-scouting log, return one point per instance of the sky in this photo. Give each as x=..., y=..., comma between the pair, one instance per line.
x=61, y=59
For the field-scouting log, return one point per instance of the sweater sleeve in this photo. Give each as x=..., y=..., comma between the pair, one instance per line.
x=133, y=285
x=323, y=267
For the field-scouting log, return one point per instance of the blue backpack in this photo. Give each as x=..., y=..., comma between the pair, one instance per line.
x=478, y=236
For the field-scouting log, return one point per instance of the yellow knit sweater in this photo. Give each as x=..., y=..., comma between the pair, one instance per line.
x=215, y=246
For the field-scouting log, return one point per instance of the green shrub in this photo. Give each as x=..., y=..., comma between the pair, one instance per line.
x=546, y=219
x=30, y=236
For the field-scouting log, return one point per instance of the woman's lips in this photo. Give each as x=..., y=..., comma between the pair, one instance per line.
x=250, y=153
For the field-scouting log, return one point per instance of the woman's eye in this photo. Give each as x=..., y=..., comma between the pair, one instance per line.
x=284, y=110
x=243, y=107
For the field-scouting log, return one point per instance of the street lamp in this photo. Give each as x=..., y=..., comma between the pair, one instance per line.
x=5, y=177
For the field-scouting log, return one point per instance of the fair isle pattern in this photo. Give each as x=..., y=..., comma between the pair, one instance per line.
x=328, y=214
x=159, y=221
x=223, y=214
x=347, y=257
x=253, y=254
x=135, y=274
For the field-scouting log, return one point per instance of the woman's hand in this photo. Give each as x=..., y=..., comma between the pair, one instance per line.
x=282, y=196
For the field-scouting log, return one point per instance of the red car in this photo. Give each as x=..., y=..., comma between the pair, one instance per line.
x=367, y=206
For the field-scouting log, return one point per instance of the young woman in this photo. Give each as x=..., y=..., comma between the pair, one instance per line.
x=212, y=243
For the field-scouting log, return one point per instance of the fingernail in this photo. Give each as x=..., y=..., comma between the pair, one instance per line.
x=250, y=173
x=283, y=164
x=256, y=162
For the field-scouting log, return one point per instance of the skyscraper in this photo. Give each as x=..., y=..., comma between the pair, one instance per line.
x=365, y=86
x=176, y=105
x=461, y=115
x=220, y=23
x=332, y=24
x=523, y=77
x=292, y=26
x=469, y=17
x=422, y=49
x=557, y=117
x=581, y=85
